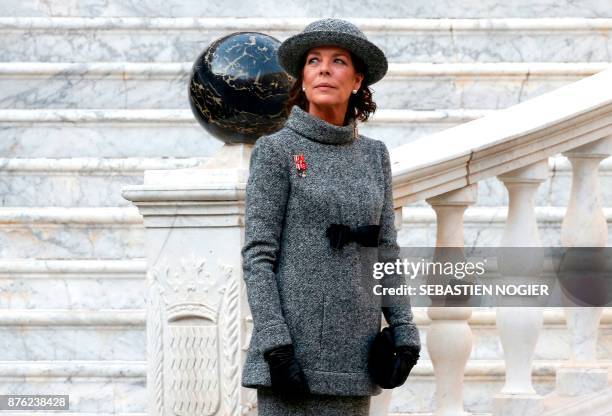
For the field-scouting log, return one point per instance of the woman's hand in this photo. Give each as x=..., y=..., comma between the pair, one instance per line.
x=409, y=353
x=408, y=357
x=285, y=372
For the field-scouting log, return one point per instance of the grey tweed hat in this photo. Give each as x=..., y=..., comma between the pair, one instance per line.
x=336, y=32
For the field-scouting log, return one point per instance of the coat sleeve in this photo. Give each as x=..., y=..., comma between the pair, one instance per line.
x=265, y=201
x=398, y=313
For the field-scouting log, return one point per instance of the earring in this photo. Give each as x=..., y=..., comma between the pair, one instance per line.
x=303, y=88
x=354, y=91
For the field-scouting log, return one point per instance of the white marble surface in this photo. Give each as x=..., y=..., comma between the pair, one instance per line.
x=532, y=134
x=484, y=375
x=98, y=387
x=554, y=192
x=483, y=226
x=164, y=85
x=107, y=140
x=64, y=190
x=104, y=91
x=72, y=293
x=117, y=233
x=98, y=182
x=52, y=233
x=87, y=182
x=417, y=394
x=525, y=404
x=319, y=8
x=578, y=380
x=468, y=92
x=552, y=346
x=410, y=41
x=169, y=133
x=81, y=343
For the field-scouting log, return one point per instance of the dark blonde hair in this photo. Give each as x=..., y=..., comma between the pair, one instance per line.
x=360, y=105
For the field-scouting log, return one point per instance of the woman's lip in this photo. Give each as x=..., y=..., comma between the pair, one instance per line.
x=324, y=86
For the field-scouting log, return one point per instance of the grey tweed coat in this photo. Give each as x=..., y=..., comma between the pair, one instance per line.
x=300, y=290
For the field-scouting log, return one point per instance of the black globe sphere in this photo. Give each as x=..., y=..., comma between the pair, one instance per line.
x=238, y=90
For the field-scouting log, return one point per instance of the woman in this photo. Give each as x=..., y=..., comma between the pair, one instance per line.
x=318, y=192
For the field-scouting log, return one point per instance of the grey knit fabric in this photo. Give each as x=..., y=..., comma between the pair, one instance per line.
x=273, y=404
x=300, y=290
x=335, y=32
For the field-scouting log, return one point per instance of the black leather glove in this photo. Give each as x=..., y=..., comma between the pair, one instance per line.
x=408, y=358
x=409, y=354
x=388, y=365
x=285, y=372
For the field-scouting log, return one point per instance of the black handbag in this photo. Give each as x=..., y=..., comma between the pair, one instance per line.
x=389, y=367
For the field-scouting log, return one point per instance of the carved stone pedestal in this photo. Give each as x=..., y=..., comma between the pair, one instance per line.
x=196, y=306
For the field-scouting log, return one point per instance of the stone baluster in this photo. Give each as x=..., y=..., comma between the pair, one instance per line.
x=584, y=225
x=519, y=327
x=196, y=302
x=450, y=323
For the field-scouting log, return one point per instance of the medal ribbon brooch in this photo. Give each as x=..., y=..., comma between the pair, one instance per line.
x=300, y=164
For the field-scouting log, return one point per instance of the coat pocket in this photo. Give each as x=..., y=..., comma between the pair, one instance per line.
x=348, y=331
x=304, y=324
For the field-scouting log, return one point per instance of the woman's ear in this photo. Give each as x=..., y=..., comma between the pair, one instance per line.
x=358, y=79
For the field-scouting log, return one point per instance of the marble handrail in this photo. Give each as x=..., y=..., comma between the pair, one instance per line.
x=533, y=130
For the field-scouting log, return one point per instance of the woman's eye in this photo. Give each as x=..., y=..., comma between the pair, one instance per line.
x=316, y=59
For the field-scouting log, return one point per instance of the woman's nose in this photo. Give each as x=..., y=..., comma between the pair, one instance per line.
x=324, y=68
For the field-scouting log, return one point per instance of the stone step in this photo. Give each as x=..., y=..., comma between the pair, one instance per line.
x=418, y=393
x=111, y=387
x=405, y=38
x=319, y=8
x=64, y=335
x=483, y=226
x=87, y=182
x=119, y=334
x=118, y=233
x=592, y=404
x=482, y=380
x=415, y=86
x=68, y=284
x=64, y=285
x=71, y=233
x=171, y=133
x=119, y=386
x=97, y=182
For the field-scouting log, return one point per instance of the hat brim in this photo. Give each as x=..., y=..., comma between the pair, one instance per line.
x=291, y=51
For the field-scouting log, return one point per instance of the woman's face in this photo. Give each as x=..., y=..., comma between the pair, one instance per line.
x=329, y=76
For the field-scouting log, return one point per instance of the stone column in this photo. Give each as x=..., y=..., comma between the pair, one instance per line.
x=196, y=303
x=584, y=225
x=450, y=323
x=519, y=327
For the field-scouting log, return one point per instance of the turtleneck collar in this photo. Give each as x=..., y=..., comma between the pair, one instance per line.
x=316, y=129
